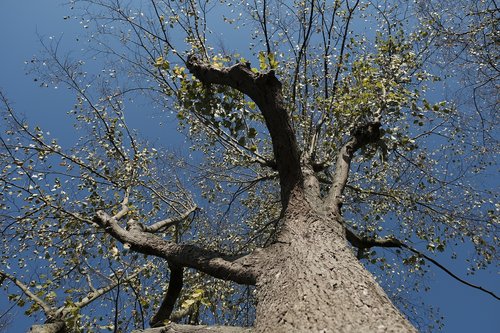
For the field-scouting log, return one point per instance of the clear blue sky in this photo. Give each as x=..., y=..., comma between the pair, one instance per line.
x=464, y=309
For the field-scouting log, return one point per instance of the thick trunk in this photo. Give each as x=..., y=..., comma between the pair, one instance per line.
x=309, y=280
x=312, y=282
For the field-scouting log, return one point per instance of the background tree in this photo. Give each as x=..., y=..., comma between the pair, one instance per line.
x=329, y=137
x=466, y=37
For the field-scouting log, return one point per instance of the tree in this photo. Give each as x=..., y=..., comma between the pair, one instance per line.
x=328, y=148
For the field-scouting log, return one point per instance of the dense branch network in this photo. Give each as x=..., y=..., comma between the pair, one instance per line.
x=56, y=316
x=295, y=172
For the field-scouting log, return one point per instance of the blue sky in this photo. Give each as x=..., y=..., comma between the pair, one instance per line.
x=21, y=24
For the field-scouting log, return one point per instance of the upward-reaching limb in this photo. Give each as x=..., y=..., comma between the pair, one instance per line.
x=265, y=91
x=360, y=137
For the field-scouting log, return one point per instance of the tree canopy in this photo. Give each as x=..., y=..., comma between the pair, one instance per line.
x=354, y=100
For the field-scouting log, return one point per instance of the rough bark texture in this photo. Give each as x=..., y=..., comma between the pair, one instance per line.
x=236, y=269
x=312, y=282
x=309, y=280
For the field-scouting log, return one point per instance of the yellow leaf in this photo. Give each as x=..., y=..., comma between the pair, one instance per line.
x=159, y=62
x=187, y=303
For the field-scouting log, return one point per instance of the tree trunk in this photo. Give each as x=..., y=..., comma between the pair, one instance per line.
x=312, y=282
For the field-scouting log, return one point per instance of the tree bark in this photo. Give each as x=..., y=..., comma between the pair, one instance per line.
x=312, y=281
x=309, y=280
x=174, y=289
x=237, y=269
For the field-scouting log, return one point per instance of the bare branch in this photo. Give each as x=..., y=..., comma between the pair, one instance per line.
x=174, y=289
x=363, y=243
x=264, y=27
x=338, y=68
x=302, y=50
x=232, y=268
x=447, y=271
x=124, y=210
x=360, y=137
x=166, y=223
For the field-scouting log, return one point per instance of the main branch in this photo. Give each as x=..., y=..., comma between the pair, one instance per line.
x=360, y=137
x=265, y=90
x=232, y=268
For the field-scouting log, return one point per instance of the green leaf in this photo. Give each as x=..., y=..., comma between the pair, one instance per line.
x=159, y=62
x=162, y=63
x=197, y=293
x=187, y=303
x=272, y=61
x=262, y=61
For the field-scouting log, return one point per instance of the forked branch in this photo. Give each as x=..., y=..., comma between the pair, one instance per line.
x=360, y=137
x=226, y=267
x=166, y=223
